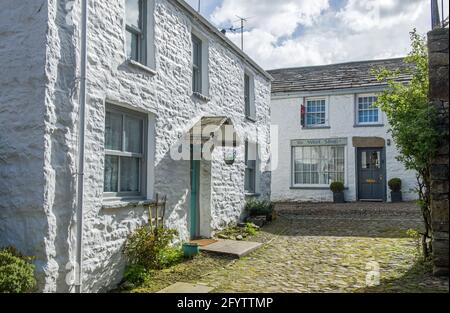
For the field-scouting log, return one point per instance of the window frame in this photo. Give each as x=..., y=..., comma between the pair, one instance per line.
x=357, y=110
x=140, y=33
x=197, y=68
x=317, y=186
x=326, y=122
x=252, y=168
x=119, y=195
x=249, y=96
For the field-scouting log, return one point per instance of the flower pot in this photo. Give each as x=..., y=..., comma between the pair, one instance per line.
x=338, y=197
x=190, y=250
x=396, y=196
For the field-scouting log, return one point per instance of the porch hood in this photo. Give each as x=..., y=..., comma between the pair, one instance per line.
x=208, y=128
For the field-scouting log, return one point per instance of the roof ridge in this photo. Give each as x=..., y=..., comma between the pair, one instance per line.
x=336, y=64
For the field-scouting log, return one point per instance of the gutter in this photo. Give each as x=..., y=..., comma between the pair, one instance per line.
x=81, y=149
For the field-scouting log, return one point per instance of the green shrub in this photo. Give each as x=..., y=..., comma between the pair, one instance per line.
x=16, y=272
x=170, y=256
x=395, y=184
x=151, y=248
x=255, y=207
x=250, y=229
x=337, y=187
x=136, y=274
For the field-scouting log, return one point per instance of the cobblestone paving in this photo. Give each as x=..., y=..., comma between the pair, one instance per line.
x=329, y=248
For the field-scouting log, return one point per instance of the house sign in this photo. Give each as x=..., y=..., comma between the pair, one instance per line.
x=319, y=142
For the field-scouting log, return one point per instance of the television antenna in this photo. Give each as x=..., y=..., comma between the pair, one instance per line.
x=242, y=21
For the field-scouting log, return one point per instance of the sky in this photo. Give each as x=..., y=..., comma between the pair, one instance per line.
x=292, y=33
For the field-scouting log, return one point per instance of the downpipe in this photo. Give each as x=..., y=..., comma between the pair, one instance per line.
x=81, y=150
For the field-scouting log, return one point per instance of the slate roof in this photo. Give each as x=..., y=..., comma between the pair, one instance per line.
x=335, y=76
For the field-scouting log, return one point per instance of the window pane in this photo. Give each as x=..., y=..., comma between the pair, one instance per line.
x=364, y=161
x=319, y=165
x=132, y=46
x=197, y=51
x=197, y=64
x=132, y=13
x=247, y=94
x=315, y=112
x=133, y=134
x=113, y=131
x=111, y=173
x=129, y=174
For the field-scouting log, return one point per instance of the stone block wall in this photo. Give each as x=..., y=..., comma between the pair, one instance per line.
x=439, y=84
x=39, y=130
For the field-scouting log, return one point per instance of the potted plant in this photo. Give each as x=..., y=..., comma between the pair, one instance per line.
x=338, y=192
x=395, y=184
x=190, y=249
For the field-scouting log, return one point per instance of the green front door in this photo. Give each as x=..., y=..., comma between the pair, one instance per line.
x=194, y=211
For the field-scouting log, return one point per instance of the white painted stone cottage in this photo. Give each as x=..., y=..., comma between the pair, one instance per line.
x=329, y=131
x=155, y=70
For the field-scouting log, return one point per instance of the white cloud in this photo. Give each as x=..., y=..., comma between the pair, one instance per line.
x=279, y=18
x=366, y=15
x=290, y=33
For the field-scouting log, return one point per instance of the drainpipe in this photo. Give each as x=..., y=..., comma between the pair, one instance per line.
x=81, y=130
x=435, y=19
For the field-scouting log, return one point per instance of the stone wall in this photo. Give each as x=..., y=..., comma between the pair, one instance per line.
x=24, y=222
x=439, y=94
x=39, y=127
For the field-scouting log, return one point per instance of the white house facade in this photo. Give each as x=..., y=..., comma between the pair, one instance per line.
x=155, y=71
x=329, y=131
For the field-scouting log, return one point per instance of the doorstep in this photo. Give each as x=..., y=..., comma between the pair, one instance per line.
x=237, y=249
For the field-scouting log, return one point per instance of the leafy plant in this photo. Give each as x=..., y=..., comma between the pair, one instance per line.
x=16, y=272
x=255, y=207
x=136, y=274
x=417, y=141
x=416, y=236
x=151, y=247
x=337, y=187
x=395, y=184
x=250, y=229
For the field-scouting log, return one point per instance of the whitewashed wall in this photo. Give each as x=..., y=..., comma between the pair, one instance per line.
x=286, y=115
x=39, y=116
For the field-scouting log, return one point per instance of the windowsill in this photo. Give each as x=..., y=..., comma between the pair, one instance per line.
x=141, y=67
x=250, y=194
x=114, y=203
x=312, y=188
x=315, y=127
x=368, y=125
x=201, y=97
x=251, y=119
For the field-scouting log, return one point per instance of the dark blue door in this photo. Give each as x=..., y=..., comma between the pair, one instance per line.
x=371, y=169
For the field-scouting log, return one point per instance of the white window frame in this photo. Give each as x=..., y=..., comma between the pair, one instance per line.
x=204, y=89
x=318, y=186
x=146, y=172
x=327, y=100
x=380, y=113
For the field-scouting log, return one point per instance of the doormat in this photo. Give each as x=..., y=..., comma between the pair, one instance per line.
x=204, y=242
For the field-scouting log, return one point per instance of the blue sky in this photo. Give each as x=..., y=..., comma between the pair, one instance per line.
x=289, y=33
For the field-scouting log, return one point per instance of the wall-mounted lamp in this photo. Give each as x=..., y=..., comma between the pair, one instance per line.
x=389, y=142
x=229, y=156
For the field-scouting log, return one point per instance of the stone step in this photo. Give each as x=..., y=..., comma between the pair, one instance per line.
x=237, y=249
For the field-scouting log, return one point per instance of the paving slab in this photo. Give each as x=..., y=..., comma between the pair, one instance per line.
x=233, y=248
x=186, y=288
